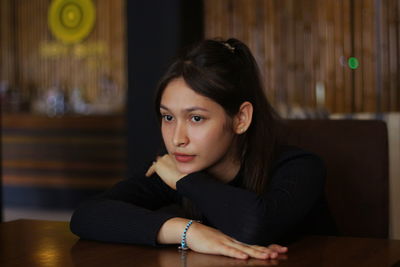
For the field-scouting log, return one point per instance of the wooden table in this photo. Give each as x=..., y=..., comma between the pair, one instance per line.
x=44, y=243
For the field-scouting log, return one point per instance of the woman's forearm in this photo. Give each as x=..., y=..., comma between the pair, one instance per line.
x=171, y=231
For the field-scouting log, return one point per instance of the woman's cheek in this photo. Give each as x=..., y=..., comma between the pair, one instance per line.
x=166, y=135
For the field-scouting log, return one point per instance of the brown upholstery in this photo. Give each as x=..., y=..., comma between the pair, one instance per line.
x=356, y=156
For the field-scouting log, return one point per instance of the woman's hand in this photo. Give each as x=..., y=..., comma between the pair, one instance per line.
x=165, y=168
x=208, y=240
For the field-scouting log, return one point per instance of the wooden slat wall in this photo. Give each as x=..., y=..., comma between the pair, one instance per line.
x=300, y=44
x=391, y=24
x=23, y=32
x=6, y=47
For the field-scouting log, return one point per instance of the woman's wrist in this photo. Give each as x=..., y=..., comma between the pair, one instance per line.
x=184, y=245
x=171, y=231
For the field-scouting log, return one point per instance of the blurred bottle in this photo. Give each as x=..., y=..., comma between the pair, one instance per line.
x=76, y=101
x=109, y=99
x=55, y=102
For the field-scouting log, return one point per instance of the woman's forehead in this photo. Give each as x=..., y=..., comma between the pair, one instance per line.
x=178, y=95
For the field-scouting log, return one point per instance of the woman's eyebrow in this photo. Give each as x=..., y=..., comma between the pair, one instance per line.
x=164, y=107
x=196, y=108
x=190, y=109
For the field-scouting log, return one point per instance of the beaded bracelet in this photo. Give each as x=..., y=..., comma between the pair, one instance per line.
x=183, y=242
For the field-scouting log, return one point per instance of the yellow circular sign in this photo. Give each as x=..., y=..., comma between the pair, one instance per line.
x=71, y=21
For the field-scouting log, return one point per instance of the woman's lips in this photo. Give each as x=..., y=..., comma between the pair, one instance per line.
x=183, y=157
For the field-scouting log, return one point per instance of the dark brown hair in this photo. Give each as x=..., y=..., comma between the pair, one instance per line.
x=227, y=73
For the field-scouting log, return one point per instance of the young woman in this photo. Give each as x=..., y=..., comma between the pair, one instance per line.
x=241, y=189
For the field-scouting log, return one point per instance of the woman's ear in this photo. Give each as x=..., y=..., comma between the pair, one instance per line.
x=243, y=118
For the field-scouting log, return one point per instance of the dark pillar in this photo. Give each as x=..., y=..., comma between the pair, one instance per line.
x=156, y=30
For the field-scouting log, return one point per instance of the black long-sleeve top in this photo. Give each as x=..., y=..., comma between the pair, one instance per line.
x=292, y=205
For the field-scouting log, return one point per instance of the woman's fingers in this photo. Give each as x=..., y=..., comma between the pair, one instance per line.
x=273, y=247
x=254, y=251
x=151, y=170
x=278, y=248
x=260, y=252
x=233, y=252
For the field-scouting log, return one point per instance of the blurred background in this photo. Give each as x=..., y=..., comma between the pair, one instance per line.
x=77, y=79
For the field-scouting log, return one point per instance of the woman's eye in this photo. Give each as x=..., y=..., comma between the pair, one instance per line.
x=167, y=117
x=197, y=118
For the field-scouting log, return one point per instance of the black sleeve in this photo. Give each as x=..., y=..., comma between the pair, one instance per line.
x=126, y=213
x=295, y=186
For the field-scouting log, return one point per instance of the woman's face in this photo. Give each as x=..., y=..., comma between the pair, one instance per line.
x=196, y=130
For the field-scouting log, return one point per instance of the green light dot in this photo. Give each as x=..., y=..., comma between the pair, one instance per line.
x=353, y=63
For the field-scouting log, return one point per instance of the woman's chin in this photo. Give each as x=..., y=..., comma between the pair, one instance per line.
x=186, y=168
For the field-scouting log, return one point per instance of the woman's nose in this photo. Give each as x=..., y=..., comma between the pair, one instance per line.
x=180, y=135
